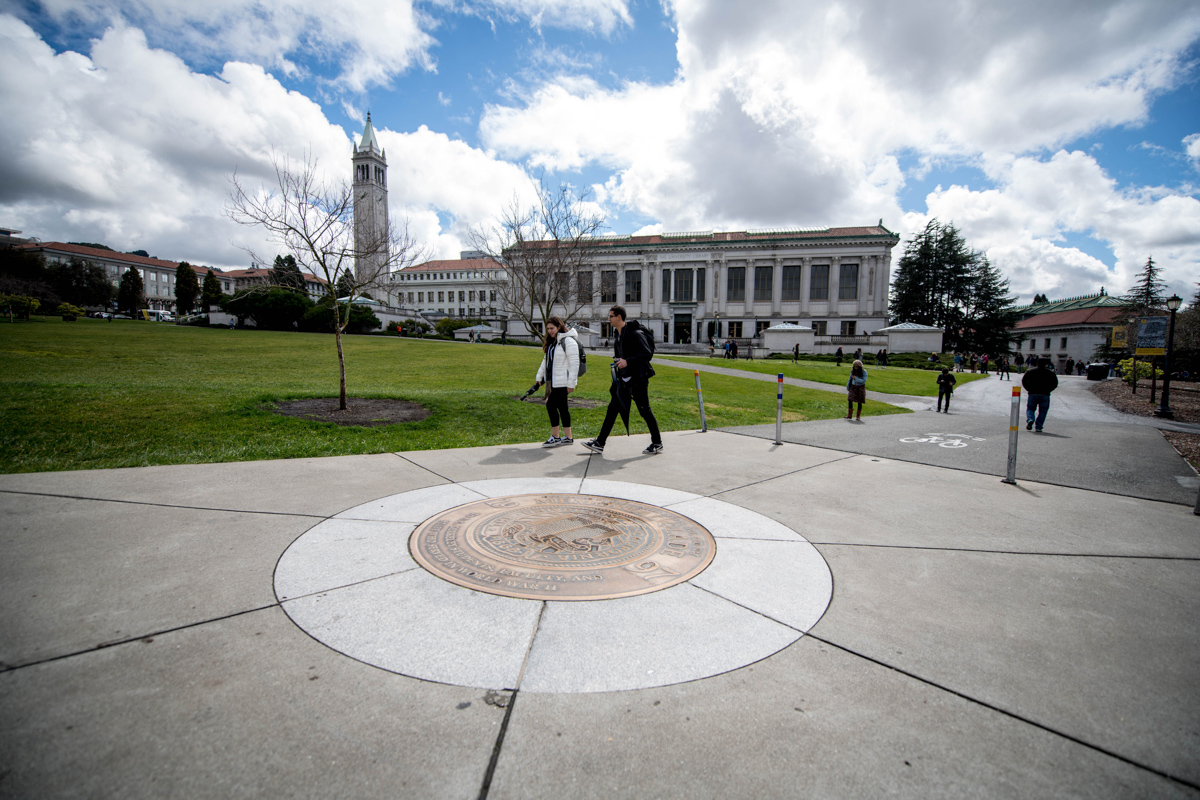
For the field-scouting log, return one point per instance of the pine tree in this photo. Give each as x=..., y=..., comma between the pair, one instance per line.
x=933, y=281
x=1148, y=291
x=187, y=288
x=131, y=292
x=285, y=273
x=210, y=294
x=989, y=311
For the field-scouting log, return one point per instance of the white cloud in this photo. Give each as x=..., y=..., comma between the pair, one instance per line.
x=1191, y=146
x=599, y=16
x=131, y=148
x=1023, y=222
x=798, y=112
x=369, y=40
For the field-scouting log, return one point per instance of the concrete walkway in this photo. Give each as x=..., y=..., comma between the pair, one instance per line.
x=981, y=640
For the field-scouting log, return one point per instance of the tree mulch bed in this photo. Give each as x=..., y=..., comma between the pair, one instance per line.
x=367, y=412
x=1185, y=404
x=572, y=402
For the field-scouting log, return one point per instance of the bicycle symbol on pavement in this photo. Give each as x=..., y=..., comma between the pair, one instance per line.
x=942, y=439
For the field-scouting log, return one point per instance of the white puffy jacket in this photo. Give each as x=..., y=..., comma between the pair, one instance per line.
x=565, y=370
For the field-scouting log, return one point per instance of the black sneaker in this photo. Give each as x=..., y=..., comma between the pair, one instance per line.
x=553, y=441
x=652, y=450
x=1029, y=425
x=593, y=446
x=566, y=440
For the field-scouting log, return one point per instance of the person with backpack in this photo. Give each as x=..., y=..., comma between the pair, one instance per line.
x=856, y=389
x=1039, y=382
x=945, y=384
x=633, y=348
x=559, y=370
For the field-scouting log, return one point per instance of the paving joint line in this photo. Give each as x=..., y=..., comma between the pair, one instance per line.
x=783, y=475
x=138, y=638
x=164, y=505
x=1012, y=715
x=961, y=469
x=1002, y=552
x=403, y=457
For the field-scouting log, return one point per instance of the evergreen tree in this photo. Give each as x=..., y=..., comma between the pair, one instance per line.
x=345, y=284
x=932, y=281
x=989, y=311
x=285, y=273
x=1147, y=293
x=210, y=294
x=80, y=283
x=187, y=288
x=131, y=293
x=1040, y=298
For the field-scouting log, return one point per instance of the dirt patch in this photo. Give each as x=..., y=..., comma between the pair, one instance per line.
x=367, y=412
x=572, y=402
x=1188, y=445
x=1185, y=398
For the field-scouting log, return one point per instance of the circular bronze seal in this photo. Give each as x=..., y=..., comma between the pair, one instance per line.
x=562, y=547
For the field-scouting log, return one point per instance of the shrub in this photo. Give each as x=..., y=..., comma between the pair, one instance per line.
x=1143, y=370
x=68, y=311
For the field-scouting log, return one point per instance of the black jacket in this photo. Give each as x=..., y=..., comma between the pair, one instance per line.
x=632, y=347
x=1040, y=381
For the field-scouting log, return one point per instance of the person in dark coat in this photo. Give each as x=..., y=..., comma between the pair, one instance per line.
x=839, y=356
x=945, y=384
x=631, y=381
x=1039, y=383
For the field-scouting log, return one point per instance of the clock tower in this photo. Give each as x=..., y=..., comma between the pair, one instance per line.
x=371, y=240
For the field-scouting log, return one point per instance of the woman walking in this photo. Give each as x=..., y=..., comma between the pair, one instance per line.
x=856, y=390
x=559, y=370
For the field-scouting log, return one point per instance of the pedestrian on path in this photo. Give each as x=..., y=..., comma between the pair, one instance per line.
x=839, y=356
x=856, y=390
x=974, y=362
x=633, y=348
x=958, y=361
x=1003, y=365
x=945, y=383
x=1039, y=383
x=1019, y=360
x=881, y=358
x=559, y=371
x=796, y=353
x=983, y=364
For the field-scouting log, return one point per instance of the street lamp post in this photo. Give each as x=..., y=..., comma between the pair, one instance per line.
x=1164, y=409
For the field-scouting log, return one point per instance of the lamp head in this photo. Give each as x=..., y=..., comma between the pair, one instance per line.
x=1173, y=302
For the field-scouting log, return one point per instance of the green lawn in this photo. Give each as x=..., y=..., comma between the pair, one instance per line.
x=893, y=380
x=91, y=394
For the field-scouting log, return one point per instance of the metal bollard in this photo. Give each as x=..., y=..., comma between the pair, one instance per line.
x=1014, y=425
x=779, y=412
x=1196, y=510
x=700, y=400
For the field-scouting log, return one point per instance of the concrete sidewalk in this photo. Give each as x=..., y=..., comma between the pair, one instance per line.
x=982, y=640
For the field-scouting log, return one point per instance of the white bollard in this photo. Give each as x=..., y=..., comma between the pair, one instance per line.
x=779, y=412
x=700, y=400
x=1014, y=425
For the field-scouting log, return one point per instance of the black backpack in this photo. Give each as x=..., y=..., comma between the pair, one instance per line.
x=582, y=358
x=647, y=338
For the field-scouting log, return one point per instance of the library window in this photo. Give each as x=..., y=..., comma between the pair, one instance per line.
x=562, y=286
x=762, y=284
x=735, y=289
x=820, y=327
x=791, y=283
x=761, y=325
x=608, y=286
x=633, y=286
x=470, y=297
x=683, y=286
x=1063, y=346
x=420, y=297
x=583, y=288
x=1047, y=347
x=606, y=330
x=735, y=329
x=849, y=327
x=462, y=297
x=441, y=297
x=666, y=286
x=819, y=289
x=848, y=283
x=700, y=274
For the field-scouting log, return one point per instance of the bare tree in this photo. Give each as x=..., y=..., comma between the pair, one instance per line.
x=312, y=218
x=547, y=249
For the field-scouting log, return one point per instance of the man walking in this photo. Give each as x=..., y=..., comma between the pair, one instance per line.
x=630, y=381
x=1039, y=382
x=945, y=384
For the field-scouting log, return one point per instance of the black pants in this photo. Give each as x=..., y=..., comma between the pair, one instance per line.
x=943, y=393
x=640, y=397
x=556, y=406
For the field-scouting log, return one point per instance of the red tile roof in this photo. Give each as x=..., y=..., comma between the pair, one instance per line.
x=455, y=264
x=96, y=252
x=1101, y=315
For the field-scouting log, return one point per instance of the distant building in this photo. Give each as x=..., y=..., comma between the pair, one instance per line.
x=235, y=280
x=464, y=288
x=158, y=275
x=1063, y=329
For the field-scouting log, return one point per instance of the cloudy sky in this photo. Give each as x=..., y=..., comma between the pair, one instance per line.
x=1062, y=137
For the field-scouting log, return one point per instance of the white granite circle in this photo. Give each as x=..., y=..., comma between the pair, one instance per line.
x=350, y=583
